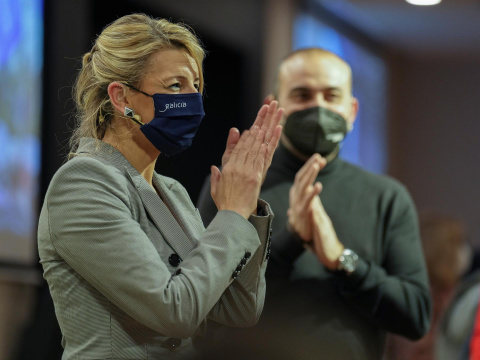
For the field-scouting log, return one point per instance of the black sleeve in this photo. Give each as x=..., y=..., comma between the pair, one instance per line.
x=396, y=295
x=205, y=204
x=285, y=249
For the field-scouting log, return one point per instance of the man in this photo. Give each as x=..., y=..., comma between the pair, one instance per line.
x=346, y=266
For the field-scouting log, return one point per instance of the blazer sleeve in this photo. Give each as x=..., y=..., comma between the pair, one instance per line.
x=90, y=224
x=242, y=302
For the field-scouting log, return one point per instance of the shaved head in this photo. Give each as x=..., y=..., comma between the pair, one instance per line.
x=300, y=54
x=314, y=77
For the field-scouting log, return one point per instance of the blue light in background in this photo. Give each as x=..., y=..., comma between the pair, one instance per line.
x=21, y=63
x=366, y=144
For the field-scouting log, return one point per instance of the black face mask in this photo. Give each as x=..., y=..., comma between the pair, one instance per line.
x=315, y=130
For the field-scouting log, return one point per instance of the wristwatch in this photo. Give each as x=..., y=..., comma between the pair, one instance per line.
x=347, y=261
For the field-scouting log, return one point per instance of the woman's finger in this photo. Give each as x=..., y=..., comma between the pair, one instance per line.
x=238, y=146
x=275, y=120
x=262, y=113
x=270, y=148
x=268, y=123
x=244, y=145
x=232, y=140
x=255, y=148
x=259, y=163
x=214, y=180
x=272, y=142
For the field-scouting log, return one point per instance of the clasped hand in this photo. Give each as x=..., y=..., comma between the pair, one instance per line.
x=307, y=217
x=245, y=162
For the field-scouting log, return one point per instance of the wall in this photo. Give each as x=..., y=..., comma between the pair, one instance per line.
x=17, y=289
x=238, y=23
x=435, y=126
x=277, y=29
x=19, y=286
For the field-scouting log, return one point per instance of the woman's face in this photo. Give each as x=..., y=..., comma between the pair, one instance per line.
x=169, y=72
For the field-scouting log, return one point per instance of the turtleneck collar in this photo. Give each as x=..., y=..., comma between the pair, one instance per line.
x=285, y=165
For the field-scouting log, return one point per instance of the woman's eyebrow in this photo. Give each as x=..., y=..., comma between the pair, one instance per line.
x=178, y=77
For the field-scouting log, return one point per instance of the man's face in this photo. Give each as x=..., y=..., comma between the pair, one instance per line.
x=313, y=79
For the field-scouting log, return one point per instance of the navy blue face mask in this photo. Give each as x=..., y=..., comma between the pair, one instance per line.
x=175, y=123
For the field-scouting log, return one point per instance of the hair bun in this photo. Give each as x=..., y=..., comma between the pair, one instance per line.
x=87, y=58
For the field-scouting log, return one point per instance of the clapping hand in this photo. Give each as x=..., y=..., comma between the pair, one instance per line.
x=325, y=243
x=245, y=162
x=301, y=196
x=307, y=217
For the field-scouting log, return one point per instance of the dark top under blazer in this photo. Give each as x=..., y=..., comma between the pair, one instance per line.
x=105, y=238
x=313, y=313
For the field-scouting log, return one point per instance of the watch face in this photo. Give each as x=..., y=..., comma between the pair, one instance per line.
x=348, y=261
x=349, y=265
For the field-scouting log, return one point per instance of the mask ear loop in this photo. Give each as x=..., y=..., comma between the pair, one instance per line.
x=134, y=88
x=130, y=113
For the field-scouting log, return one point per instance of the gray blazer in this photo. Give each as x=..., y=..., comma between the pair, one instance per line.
x=134, y=275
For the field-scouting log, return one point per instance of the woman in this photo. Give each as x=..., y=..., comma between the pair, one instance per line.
x=132, y=272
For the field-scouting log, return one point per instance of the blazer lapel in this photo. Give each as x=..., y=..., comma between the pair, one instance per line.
x=159, y=211
x=172, y=227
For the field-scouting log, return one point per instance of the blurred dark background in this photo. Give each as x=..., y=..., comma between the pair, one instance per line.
x=428, y=140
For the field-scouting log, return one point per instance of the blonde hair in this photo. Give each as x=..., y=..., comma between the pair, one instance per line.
x=122, y=53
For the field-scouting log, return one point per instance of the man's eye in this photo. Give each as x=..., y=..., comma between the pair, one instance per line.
x=333, y=97
x=301, y=96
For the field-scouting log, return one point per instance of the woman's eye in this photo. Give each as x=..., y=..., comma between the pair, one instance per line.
x=196, y=86
x=175, y=86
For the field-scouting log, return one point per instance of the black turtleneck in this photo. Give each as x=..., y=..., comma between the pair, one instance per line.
x=312, y=313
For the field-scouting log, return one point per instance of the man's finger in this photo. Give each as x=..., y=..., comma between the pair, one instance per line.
x=306, y=166
x=308, y=177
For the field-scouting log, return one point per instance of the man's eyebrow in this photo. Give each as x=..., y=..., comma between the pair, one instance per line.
x=300, y=88
x=305, y=89
x=334, y=88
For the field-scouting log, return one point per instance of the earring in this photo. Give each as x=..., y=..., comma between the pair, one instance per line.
x=129, y=112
